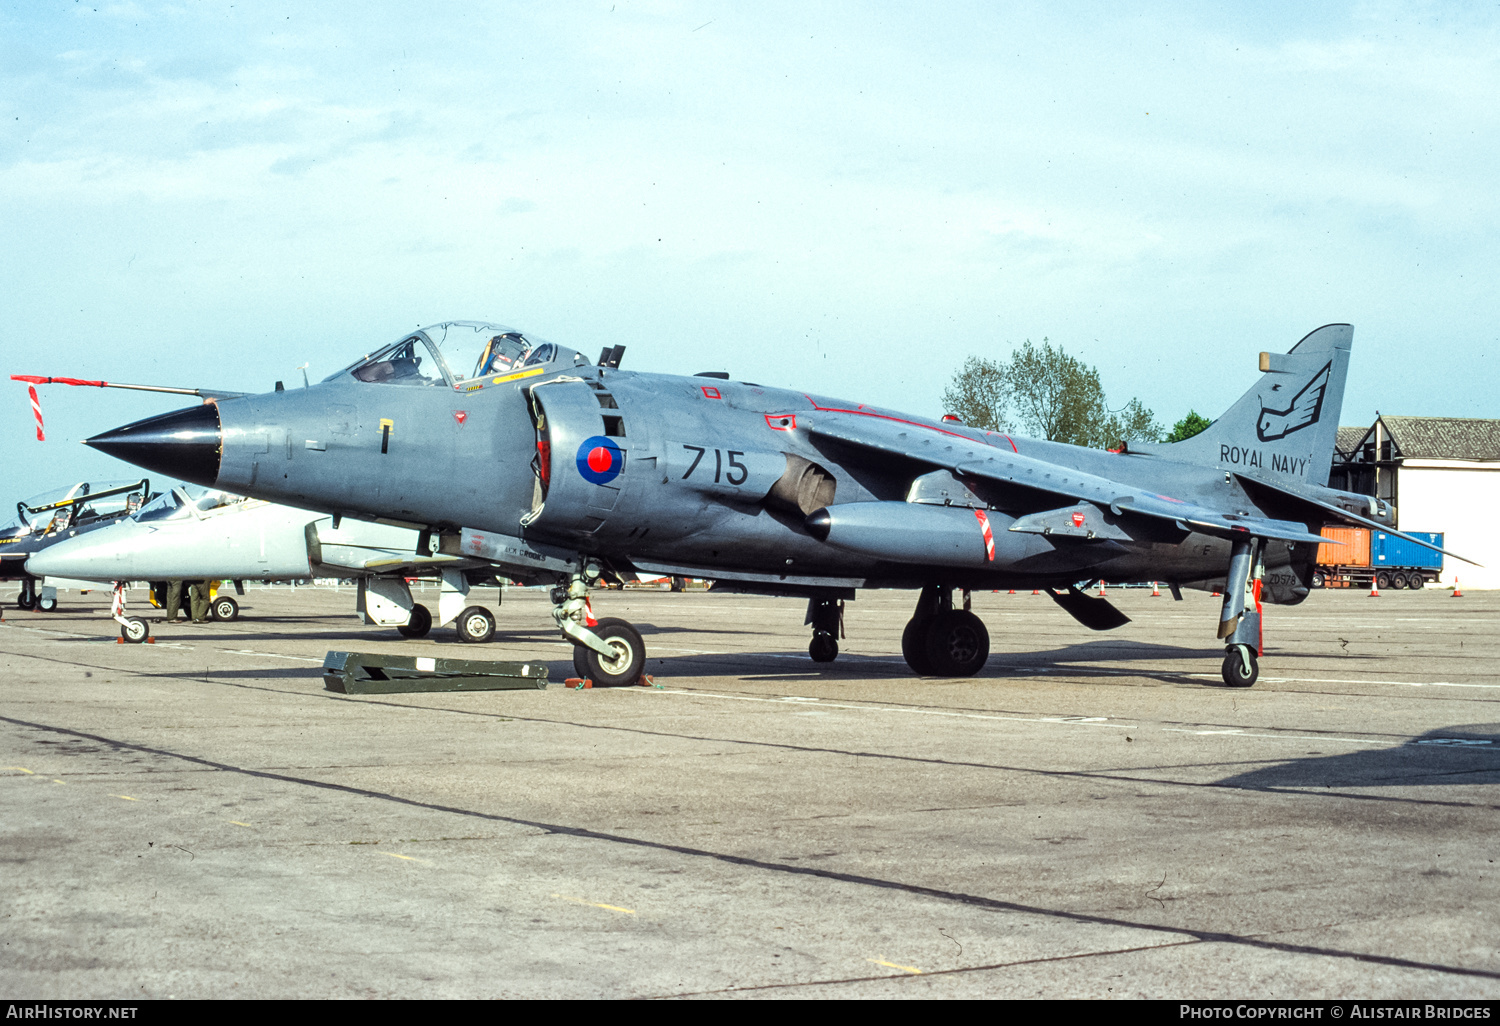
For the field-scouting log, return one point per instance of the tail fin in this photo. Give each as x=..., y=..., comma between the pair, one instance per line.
x=1286, y=425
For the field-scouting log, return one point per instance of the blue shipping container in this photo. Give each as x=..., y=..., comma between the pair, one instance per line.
x=1388, y=550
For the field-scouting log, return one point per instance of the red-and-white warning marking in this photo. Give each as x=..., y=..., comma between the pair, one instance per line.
x=989, y=535
x=36, y=408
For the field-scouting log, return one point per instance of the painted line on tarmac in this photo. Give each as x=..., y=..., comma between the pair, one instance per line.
x=1284, y=737
x=892, y=965
x=1085, y=721
x=1343, y=680
x=267, y=655
x=594, y=904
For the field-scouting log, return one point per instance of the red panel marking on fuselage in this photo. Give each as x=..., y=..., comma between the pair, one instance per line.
x=781, y=422
x=709, y=392
x=862, y=412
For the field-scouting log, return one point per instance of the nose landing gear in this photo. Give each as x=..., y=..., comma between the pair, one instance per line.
x=940, y=641
x=610, y=651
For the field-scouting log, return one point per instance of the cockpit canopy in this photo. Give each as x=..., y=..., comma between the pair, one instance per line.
x=77, y=504
x=186, y=501
x=464, y=355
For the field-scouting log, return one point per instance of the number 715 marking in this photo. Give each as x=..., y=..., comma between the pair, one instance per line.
x=719, y=462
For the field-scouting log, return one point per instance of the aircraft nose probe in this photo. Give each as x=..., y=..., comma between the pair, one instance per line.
x=185, y=444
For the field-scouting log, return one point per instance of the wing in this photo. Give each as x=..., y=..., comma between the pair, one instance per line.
x=950, y=451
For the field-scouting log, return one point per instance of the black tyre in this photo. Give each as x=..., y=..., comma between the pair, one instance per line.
x=224, y=609
x=1234, y=672
x=824, y=648
x=418, y=624
x=1317, y=579
x=957, y=644
x=26, y=601
x=914, y=645
x=1382, y=581
x=134, y=630
x=475, y=625
x=629, y=660
x=46, y=605
x=1416, y=581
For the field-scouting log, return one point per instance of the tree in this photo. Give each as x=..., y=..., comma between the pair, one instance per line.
x=979, y=395
x=1187, y=427
x=1053, y=396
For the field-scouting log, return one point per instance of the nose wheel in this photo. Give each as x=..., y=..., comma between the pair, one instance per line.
x=623, y=666
x=476, y=625
x=608, y=651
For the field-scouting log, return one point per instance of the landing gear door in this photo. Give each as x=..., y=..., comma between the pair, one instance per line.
x=582, y=455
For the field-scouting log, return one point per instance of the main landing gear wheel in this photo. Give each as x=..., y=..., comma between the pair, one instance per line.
x=629, y=659
x=475, y=625
x=914, y=645
x=46, y=605
x=957, y=644
x=1241, y=668
x=26, y=600
x=224, y=609
x=419, y=623
x=134, y=630
x=824, y=649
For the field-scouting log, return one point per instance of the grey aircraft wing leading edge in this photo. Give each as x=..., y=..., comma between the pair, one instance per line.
x=197, y=534
x=499, y=446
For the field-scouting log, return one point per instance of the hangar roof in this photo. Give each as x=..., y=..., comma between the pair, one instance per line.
x=1429, y=438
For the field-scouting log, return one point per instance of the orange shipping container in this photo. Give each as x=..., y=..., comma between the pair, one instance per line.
x=1354, y=552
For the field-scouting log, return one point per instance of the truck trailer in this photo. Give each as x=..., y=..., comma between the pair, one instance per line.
x=1375, y=558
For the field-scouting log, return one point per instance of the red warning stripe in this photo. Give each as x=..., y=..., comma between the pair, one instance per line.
x=36, y=408
x=38, y=380
x=989, y=535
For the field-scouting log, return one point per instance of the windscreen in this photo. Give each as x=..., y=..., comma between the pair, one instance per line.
x=185, y=502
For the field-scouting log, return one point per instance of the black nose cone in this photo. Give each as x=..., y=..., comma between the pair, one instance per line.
x=184, y=444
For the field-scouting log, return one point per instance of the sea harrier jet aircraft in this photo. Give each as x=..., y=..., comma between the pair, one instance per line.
x=494, y=444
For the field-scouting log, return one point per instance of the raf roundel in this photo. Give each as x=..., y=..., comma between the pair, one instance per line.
x=600, y=460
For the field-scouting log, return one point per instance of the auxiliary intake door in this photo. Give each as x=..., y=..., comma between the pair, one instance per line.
x=582, y=455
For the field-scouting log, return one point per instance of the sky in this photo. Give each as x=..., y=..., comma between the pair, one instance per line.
x=843, y=198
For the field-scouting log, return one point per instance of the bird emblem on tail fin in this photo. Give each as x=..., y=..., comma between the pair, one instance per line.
x=1305, y=409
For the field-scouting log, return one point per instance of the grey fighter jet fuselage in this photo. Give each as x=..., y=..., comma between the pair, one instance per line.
x=556, y=469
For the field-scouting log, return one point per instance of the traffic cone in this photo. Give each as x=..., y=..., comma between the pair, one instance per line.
x=1037, y=591
x=1374, y=588
x=1457, y=591
x=1101, y=588
x=1012, y=591
x=1214, y=593
x=1155, y=591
